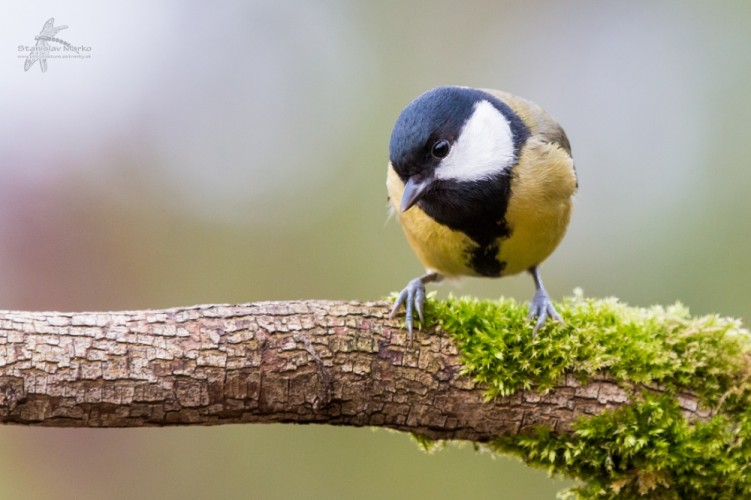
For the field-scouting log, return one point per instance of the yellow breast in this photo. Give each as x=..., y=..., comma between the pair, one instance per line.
x=438, y=247
x=539, y=209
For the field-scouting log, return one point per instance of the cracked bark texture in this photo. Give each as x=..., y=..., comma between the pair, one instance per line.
x=340, y=363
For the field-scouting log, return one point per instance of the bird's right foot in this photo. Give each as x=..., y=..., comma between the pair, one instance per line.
x=413, y=298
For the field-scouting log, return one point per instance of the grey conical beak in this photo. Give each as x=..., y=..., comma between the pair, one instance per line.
x=413, y=190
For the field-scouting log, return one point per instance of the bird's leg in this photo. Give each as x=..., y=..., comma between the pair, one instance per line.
x=541, y=307
x=413, y=298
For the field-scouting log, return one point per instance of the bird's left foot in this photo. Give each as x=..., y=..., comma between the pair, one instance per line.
x=541, y=308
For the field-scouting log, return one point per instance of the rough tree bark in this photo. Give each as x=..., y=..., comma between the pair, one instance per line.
x=303, y=362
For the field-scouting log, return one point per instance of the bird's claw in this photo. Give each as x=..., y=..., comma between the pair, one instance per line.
x=413, y=298
x=541, y=308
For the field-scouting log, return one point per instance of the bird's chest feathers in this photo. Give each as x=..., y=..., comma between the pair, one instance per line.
x=438, y=247
x=539, y=209
x=511, y=232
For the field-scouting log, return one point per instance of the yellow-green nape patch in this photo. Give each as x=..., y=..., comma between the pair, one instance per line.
x=633, y=345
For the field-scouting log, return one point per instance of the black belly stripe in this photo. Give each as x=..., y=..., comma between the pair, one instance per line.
x=484, y=260
x=478, y=210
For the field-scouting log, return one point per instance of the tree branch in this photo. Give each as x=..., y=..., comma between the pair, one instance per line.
x=664, y=398
x=303, y=362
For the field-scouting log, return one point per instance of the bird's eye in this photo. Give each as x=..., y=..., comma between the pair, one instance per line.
x=440, y=148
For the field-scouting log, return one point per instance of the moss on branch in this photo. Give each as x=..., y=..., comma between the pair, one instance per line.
x=661, y=407
x=648, y=446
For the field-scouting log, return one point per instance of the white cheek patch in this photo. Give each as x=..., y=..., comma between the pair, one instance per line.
x=484, y=148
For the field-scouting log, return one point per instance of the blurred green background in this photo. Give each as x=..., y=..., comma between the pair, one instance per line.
x=236, y=151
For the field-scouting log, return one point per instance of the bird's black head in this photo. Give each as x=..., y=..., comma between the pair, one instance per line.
x=453, y=135
x=437, y=115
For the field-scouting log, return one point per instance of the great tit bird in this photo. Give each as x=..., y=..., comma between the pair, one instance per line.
x=482, y=184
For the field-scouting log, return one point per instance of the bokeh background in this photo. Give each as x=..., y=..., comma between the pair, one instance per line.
x=235, y=151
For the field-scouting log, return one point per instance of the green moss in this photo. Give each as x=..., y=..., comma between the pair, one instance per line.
x=647, y=447
x=426, y=444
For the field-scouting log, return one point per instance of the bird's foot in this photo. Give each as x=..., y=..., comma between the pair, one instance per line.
x=541, y=308
x=413, y=298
